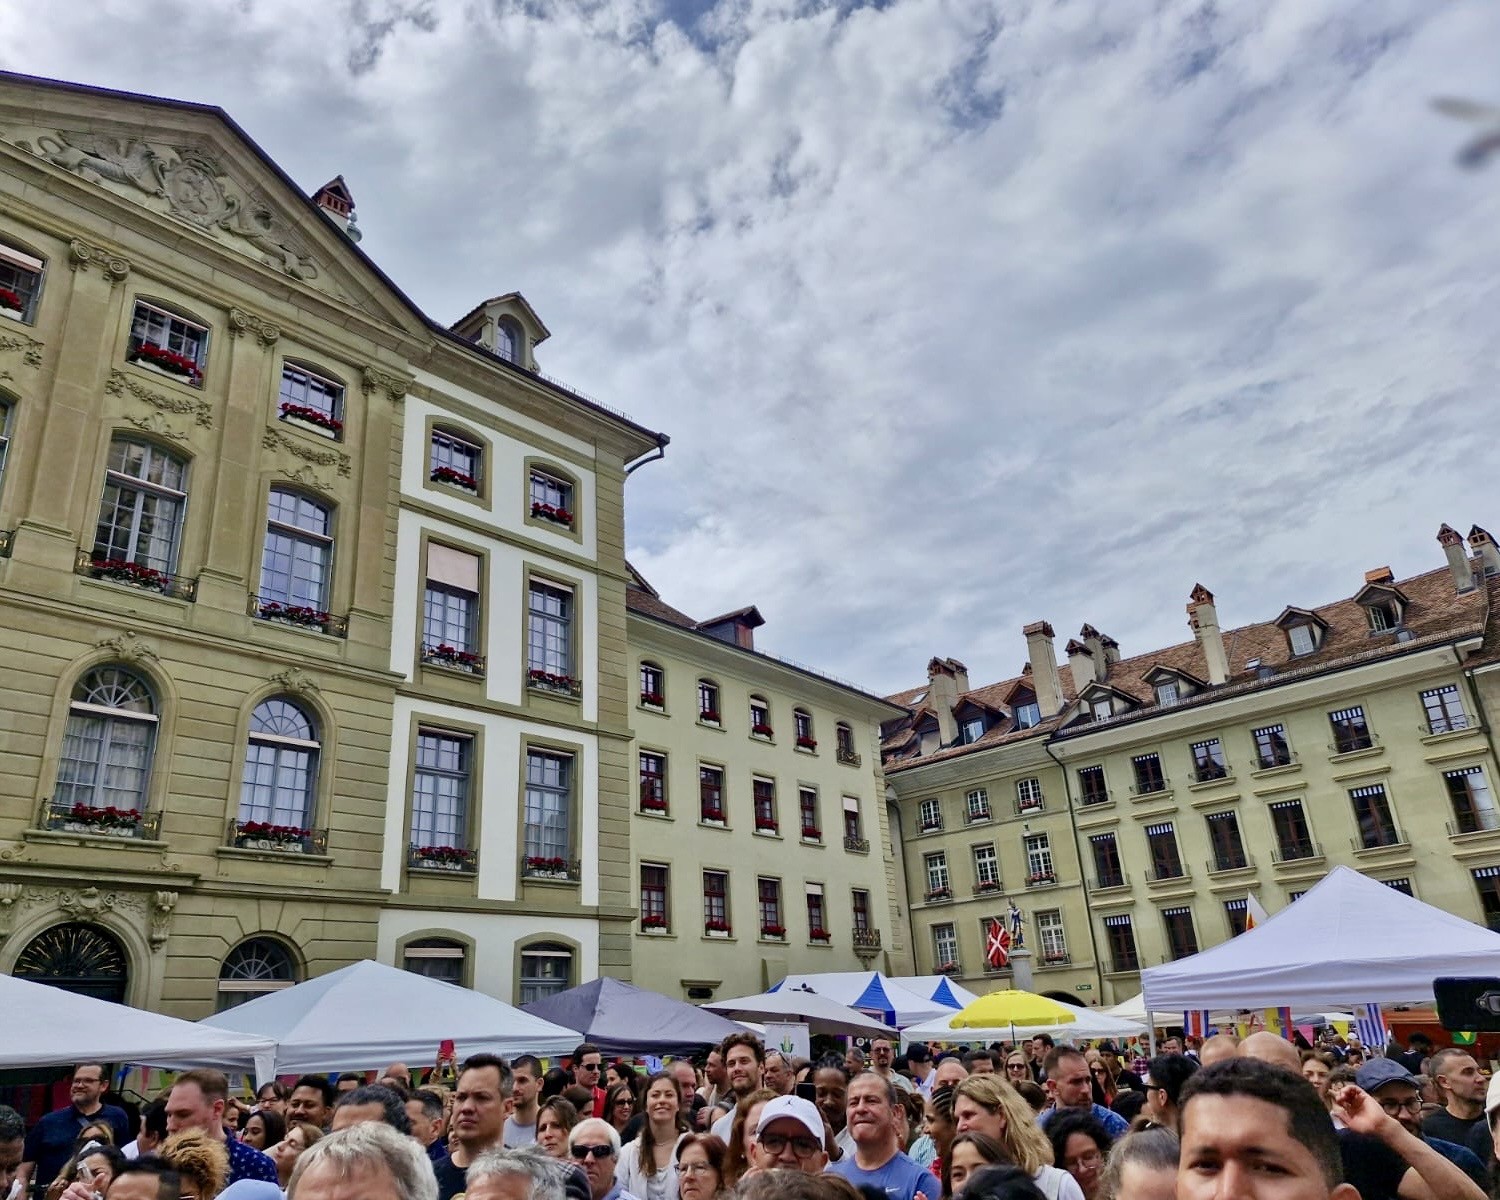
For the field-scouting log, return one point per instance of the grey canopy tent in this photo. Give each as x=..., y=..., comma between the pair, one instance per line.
x=621, y=1019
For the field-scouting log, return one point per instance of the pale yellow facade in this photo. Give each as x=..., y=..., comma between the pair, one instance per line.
x=684, y=858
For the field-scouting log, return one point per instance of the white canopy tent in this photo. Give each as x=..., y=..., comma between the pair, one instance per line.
x=365, y=1016
x=870, y=991
x=1134, y=1009
x=937, y=987
x=1087, y=1025
x=1347, y=940
x=46, y=1026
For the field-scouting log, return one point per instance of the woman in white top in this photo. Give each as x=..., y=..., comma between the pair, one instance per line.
x=648, y=1165
x=1007, y=1132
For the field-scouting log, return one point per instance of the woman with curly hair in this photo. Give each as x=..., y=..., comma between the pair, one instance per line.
x=202, y=1162
x=986, y=1104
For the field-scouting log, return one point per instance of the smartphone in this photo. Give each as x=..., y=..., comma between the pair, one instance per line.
x=808, y=1091
x=445, y=1048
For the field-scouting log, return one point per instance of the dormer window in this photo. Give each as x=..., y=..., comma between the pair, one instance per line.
x=507, y=340
x=1167, y=692
x=1303, y=639
x=972, y=730
x=1102, y=708
x=1024, y=709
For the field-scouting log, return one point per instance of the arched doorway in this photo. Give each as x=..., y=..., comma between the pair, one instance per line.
x=1065, y=998
x=77, y=958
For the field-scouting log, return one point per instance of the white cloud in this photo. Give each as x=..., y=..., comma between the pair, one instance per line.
x=959, y=313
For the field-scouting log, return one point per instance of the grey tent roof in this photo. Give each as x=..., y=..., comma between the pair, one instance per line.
x=621, y=1019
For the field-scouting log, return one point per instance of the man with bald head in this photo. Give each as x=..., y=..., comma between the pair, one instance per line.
x=1272, y=1048
x=1218, y=1048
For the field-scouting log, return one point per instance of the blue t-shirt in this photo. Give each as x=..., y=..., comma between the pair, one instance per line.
x=1114, y=1124
x=900, y=1178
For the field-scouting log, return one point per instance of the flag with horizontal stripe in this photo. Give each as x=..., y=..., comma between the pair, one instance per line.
x=1370, y=1025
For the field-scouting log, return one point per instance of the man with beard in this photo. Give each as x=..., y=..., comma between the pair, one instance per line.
x=744, y=1058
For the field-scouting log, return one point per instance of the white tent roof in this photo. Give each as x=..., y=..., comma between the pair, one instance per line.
x=46, y=1026
x=935, y=987
x=1134, y=1009
x=1088, y=1023
x=873, y=992
x=821, y=1013
x=367, y=1015
x=1347, y=940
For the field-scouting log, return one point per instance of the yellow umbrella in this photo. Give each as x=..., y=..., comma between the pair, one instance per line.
x=1011, y=1006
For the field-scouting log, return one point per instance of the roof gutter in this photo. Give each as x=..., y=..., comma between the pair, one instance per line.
x=662, y=441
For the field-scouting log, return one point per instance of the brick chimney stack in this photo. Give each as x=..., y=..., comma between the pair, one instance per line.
x=942, y=695
x=1485, y=550
x=1045, y=677
x=1100, y=649
x=1452, y=543
x=1203, y=619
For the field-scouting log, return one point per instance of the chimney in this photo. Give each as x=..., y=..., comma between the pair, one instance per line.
x=1452, y=543
x=335, y=200
x=1098, y=650
x=960, y=675
x=942, y=695
x=1045, y=678
x=1484, y=548
x=1203, y=619
x=1081, y=663
x=737, y=628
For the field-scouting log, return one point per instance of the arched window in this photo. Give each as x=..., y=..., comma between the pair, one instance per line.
x=507, y=340
x=253, y=968
x=281, y=765
x=436, y=958
x=78, y=958
x=760, y=716
x=140, y=514
x=803, y=722
x=546, y=969
x=298, y=558
x=106, y=752
x=708, y=701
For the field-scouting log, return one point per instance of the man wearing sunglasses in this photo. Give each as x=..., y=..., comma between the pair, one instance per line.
x=790, y=1135
x=595, y=1146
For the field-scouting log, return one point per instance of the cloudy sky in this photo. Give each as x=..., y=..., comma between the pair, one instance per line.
x=959, y=313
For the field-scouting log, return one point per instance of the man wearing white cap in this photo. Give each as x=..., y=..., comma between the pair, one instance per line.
x=790, y=1134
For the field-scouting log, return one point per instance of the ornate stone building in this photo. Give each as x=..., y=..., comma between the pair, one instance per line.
x=218, y=423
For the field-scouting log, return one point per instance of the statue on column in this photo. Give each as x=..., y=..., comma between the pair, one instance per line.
x=1017, y=936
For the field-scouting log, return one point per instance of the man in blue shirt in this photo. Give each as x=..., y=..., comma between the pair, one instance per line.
x=872, y=1106
x=197, y=1101
x=51, y=1139
x=1071, y=1087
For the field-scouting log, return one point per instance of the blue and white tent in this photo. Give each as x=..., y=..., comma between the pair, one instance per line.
x=873, y=993
x=939, y=988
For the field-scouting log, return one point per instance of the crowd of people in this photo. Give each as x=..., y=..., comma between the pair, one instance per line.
x=1227, y=1119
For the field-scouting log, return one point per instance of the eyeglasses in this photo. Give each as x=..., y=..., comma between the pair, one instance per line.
x=1100, y=1071
x=1392, y=1107
x=1015, y=1066
x=588, y=1066
x=802, y=1147
x=695, y=1168
x=1085, y=1162
x=582, y=1152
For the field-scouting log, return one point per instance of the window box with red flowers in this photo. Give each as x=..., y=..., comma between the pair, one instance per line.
x=709, y=716
x=110, y=821
x=811, y=833
x=545, y=681
x=939, y=893
x=761, y=729
x=11, y=304
x=766, y=825
x=715, y=928
x=262, y=835
x=806, y=743
x=985, y=886
x=653, y=700
x=1041, y=878
x=455, y=478
x=443, y=858
x=315, y=417
x=445, y=655
x=775, y=932
x=712, y=816
x=654, y=923
x=294, y=614
x=123, y=571
x=551, y=512
x=931, y=826
x=948, y=968
x=168, y=361
x=543, y=867
x=653, y=804
x=816, y=934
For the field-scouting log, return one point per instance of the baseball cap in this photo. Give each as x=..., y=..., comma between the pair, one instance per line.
x=792, y=1108
x=1378, y=1072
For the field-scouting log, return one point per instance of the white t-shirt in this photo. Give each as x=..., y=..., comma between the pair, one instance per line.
x=1057, y=1184
x=517, y=1135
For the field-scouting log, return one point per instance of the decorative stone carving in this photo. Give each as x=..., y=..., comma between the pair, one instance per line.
x=308, y=478
x=162, y=904
x=275, y=439
x=127, y=647
x=159, y=426
x=29, y=348
x=186, y=181
x=395, y=386
x=200, y=410
x=81, y=256
x=89, y=903
x=295, y=680
x=10, y=893
x=241, y=321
